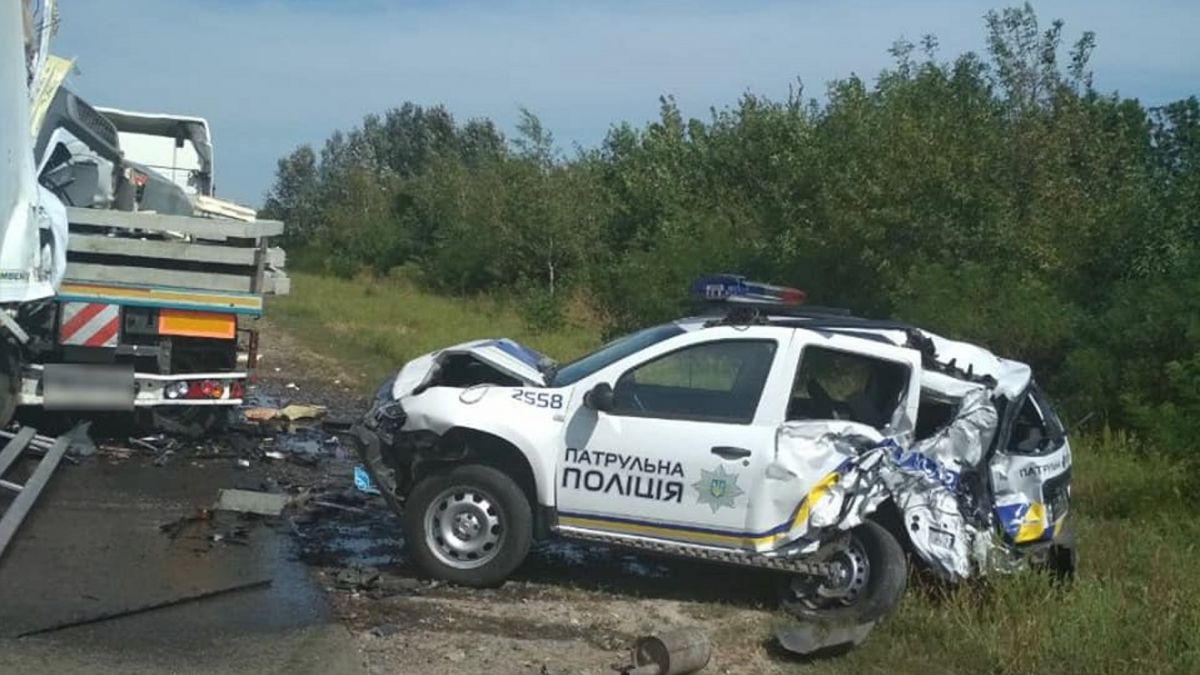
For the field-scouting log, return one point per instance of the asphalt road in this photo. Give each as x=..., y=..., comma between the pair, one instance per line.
x=92, y=546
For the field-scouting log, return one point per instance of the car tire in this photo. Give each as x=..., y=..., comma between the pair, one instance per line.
x=470, y=525
x=880, y=592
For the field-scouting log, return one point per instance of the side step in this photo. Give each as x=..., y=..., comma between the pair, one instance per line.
x=705, y=553
x=25, y=442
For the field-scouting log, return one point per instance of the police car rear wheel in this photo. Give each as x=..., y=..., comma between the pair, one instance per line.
x=871, y=574
x=471, y=525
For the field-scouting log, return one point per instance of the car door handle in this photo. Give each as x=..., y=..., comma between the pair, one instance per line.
x=729, y=452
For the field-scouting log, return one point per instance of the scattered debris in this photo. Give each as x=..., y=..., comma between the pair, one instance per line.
x=27, y=493
x=810, y=638
x=176, y=527
x=385, y=630
x=260, y=414
x=675, y=652
x=356, y=578
x=108, y=616
x=250, y=501
x=363, y=482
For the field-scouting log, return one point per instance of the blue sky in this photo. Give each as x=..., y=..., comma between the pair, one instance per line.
x=272, y=74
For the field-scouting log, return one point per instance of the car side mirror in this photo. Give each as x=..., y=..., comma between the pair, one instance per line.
x=599, y=398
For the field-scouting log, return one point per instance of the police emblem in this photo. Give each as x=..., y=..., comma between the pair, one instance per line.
x=717, y=488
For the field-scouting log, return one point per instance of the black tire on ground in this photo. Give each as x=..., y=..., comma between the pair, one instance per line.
x=885, y=583
x=508, y=504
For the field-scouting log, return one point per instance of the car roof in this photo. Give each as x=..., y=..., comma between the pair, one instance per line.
x=957, y=360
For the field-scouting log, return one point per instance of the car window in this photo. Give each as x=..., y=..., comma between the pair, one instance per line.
x=714, y=381
x=1036, y=428
x=611, y=353
x=837, y=385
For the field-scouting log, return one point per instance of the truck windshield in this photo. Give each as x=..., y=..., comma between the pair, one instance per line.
x=611, y=353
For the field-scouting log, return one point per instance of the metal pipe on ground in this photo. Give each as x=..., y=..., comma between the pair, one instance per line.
x=675, y=652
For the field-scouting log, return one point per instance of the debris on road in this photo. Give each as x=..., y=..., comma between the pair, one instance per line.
x=363, y=482
x=21, y=444
x=292, y=413
x=108, y=616
x=176, y=527
x=675, y=652
x=810, y=638
x=250, y=501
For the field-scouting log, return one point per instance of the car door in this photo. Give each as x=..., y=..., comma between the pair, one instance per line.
x=843, y=393
x=691, y=425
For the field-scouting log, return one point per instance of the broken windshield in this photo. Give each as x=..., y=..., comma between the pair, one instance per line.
x=610, y=353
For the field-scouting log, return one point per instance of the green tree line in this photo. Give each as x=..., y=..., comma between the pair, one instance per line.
x=997, y=198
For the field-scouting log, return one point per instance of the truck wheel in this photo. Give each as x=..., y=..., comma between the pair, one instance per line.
x=10, y=368
x=872, y=578
x=471, y=525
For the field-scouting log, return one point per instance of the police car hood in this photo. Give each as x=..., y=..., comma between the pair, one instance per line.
x=503, y=355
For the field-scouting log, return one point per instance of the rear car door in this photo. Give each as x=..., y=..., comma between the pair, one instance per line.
x=692, y=424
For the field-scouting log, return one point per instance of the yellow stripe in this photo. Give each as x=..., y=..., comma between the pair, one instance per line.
x=736, y=541
x=161, y=295
x=1033, y=525
x=660, y=532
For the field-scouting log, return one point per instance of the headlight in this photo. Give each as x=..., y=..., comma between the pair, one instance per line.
x=385, y=390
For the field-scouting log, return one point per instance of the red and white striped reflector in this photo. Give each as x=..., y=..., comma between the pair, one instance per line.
x=87, y=324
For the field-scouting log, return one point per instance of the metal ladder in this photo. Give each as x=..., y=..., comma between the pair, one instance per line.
x=25, y=442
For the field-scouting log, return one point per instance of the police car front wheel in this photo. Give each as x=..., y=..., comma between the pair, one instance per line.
x=470, y=525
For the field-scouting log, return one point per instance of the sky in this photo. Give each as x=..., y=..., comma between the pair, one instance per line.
x=271, y=75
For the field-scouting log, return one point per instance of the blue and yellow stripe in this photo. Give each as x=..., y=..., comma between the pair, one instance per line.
x=160, y=297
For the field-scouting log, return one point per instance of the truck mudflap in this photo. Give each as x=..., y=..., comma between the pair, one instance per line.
x=146, y=390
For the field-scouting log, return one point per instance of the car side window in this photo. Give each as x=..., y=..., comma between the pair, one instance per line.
x=718, y=381
x=837, y=385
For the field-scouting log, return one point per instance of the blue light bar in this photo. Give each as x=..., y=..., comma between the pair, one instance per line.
x=734, y=288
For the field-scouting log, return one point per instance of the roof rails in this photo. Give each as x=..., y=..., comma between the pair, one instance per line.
x=765, y=308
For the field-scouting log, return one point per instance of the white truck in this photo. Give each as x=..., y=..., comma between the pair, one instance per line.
x=816, y=444
x=125, y=283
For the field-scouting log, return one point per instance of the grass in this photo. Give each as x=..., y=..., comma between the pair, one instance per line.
x=376, y=326
x=1134, y=608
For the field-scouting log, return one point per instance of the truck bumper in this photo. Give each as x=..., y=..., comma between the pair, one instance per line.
x=149, y=390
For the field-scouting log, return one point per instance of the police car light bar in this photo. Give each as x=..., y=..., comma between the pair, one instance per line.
x=733, y=288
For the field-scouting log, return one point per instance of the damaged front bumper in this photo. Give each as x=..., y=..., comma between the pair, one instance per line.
x=374, y=437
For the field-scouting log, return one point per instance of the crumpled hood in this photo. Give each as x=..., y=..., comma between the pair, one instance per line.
x=505, y=355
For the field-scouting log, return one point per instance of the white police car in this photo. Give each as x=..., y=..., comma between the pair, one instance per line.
x=796, y=439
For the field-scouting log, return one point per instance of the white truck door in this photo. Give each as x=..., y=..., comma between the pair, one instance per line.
x=692, y=424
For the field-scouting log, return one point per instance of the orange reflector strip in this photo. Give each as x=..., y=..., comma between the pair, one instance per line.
x=197, y=324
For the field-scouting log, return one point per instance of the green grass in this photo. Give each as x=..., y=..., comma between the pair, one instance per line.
x=376, y=325
x=1134, y=608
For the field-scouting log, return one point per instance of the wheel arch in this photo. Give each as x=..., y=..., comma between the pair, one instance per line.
x=470, y=445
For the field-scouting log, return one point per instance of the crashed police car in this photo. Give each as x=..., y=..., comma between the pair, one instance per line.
x=832, y=449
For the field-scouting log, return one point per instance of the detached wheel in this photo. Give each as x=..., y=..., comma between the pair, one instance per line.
x=471, y=525
x=871, y=576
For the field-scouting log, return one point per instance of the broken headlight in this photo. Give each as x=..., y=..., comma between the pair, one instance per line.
x=385, y=390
